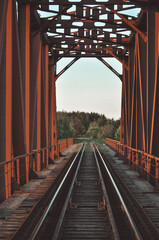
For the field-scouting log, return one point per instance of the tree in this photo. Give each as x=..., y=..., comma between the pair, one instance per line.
x=108, y=131
x=117, y=134
x=93, y=130
x=93, y=124
x=101, y=121
x=64, y=129
x=78, y=127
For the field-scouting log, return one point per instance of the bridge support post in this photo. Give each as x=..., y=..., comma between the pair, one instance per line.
x=24, y=36
x=6, y=104
x=53, y=127
x=46, y=50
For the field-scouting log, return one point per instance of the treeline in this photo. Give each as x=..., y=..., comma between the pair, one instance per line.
x=92, y=125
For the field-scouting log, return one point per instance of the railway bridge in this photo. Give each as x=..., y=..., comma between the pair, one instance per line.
x=34, y=36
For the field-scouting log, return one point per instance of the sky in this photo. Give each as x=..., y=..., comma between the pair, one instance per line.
x=89, y=86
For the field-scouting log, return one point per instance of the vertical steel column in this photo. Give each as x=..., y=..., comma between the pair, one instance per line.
x=139, y=105
x=6, y=105
x=125, y=80
x=133, y=104
x=150, y=69
x=124, y=108
x=122, y=129
x=141, y=54
x=154, y=143
x=55, y=119
x=8, y=96
x=39, y=112
x=24, y=38
x=18, y=126
x=3, y=183
x=52, y=109
x=3, y=13
x=44, y=99
x=53, y=132
x=130, y=87
x=46, y=49
x=34, y=69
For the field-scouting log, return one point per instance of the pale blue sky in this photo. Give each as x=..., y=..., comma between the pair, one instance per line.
x=89, y=86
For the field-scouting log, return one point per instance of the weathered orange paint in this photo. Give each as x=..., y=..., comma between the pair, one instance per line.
x=52, y=123
x=39, y=112
x=113, y=55
x=130, y=23
x=122, y=117
x=27, y=87
x=54, y=118
x=141, y=95
x=8, y=97
x=133, y=100
x=18, y=171
x=47, y=100
x=126, y=102
x=156, y=75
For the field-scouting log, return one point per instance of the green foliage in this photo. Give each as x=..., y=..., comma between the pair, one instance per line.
x=64, y=129
x=93, y=130
x=107, y=131
x=117, y=134
x=92, y=125
x=78, y=127
x=81, y=140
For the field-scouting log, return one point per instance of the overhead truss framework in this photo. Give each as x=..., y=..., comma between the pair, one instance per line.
x=34, y=36
x=89, y=28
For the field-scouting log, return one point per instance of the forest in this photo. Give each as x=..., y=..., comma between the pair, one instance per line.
x=91, y=125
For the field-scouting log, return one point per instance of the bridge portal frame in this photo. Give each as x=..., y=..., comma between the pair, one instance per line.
x=28, y=58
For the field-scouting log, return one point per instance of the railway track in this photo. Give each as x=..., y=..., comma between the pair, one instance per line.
x=88, y=204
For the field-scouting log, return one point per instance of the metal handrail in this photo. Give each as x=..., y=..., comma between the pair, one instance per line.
x=26, y=155
x=133, y=149
x=31, y=153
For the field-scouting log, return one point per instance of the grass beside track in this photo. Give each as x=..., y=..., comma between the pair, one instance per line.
x=84, y=139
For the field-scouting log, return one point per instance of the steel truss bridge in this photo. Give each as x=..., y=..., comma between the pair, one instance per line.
x=34, y=36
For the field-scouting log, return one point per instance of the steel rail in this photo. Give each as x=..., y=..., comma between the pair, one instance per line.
x=43, y=217
x=60, y=221
x=131, y=221
x=106, y=197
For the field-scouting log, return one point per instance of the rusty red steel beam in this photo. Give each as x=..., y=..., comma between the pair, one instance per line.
x=45, y=25
x=118, y=58
x=24, y=41
x=3, y=14
x=8, y=100
x=130, y=24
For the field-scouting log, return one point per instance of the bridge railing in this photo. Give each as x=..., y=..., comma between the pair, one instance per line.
x=64, y=144
x=147, y=165
x=19, y=170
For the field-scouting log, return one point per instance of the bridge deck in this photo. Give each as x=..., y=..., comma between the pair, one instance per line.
x=14, y=213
